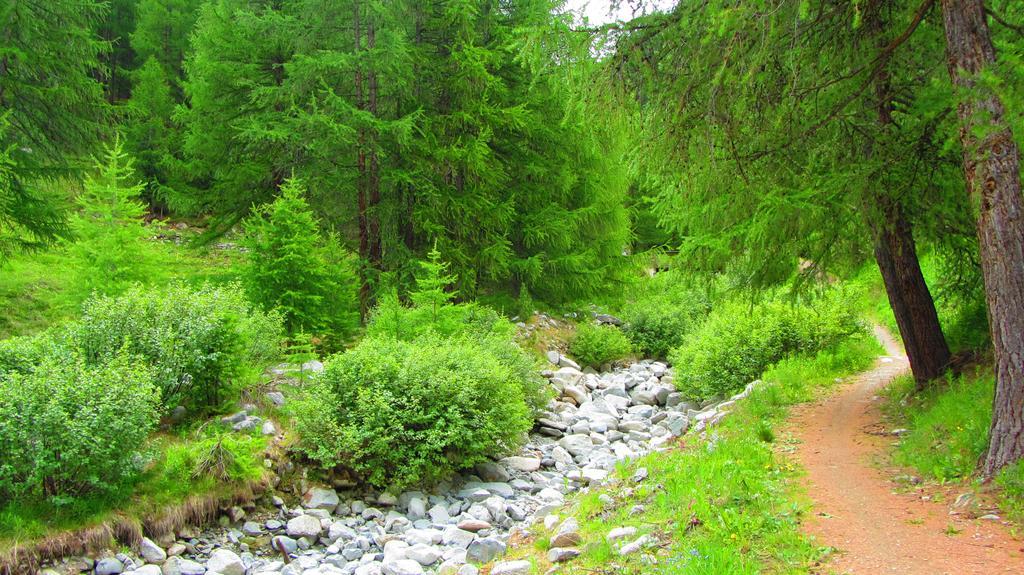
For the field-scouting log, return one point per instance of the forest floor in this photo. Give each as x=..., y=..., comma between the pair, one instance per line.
x=862, y=512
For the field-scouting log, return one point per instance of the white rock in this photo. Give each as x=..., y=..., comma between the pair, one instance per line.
x=512, y=568
x=225, y=562
x=526, y=464
x=304, y=526
x=151, y=552
x=620, y=533
x=402, y=567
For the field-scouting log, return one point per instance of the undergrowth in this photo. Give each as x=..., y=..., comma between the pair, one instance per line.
x=948, y=434
x=724, y=503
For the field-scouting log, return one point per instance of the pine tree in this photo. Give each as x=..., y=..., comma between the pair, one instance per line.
x=53, y=112
x=150, y=133
x=293, y=267
x=109, y=231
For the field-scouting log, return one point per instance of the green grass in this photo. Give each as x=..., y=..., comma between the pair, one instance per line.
x=173, y=475
x=727, y=503
x=37, y=289
x=949, y=430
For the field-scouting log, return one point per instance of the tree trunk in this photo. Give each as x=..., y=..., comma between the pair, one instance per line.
x=364, y=240
x=895, y=251
x=373, y=214
x=909, y=297
x=992, y=173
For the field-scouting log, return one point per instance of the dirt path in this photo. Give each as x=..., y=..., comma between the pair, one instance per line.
x=856, y=510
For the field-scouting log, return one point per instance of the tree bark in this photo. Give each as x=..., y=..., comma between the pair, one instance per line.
x=992, y=173
x=376, y=247
x=895, y=251
x=911, y=301
x=364, y=240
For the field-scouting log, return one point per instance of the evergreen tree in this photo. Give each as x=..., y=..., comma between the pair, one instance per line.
x=53, y=111
x=109, y=248
x=162, y=31
x=151, y=135
x=294, y=268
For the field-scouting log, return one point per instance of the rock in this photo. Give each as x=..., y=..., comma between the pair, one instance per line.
x=387, y=499
x=635, y=546
x=552, y=356
x=313, y=366
x=525, y=464
x=225, y=562
x=321, y=498
x=644, y=397
x=109, y=566
x=252, y=529
x=603, y=318
x=402, y=567
x=179, y=566
x=568, y=534
x=577, y=444
x=512, y=568
x=304, y=526
x=640, y=474
x=620, y=533
x=484, y=551
x=175, y=549
x=234, y=418
x=490, y=471
x=473, y=525
x=562, y=554
x=276, y=397
x=576, y=394
x=439, y=514
x=287, y=544
x=423, y=554
x=458, y=538
x=178, y=414
x=369, y=569
x=417, y=509
x=148, y=570
x=151, y=552
x=247, y=424
x=268, y=428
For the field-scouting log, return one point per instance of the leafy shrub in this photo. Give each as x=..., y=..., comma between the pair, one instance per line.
x=433, y=314
x=68, y=428
x=228, y=457
x=110, y=249
x=293, y=267
x=595, y=345
x=197, y=340
x=663, y=309
x=407, y=413
x=738, y=341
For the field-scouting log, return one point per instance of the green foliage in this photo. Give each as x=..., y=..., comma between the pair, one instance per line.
x=596, y=345
x=661, y=311
x=110, y=248
x=199, y=341
x=524, y=304
x=68, y=428
x=224, y=458
x=738, y=341
x=53, y=113
x=411, y=413
x=294, y=268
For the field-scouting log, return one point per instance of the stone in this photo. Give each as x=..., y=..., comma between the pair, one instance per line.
x=369, y=569
x=552, y=356
x=151, y=552
x=234, y=418
x=417, y=509
x=562, y=554
x=566, y=362
x=304, y=526
x=620, y=533
x=484, y=550
x=252, y=529
x=148, y=570
x=455, y=537
x=439, y=514
x=276, y=397
x=640, y=474
x=568, y=534
x=268, y=428
x=321, y=498
x=109, y=566
x=402, y=567
x=525, y=464
x=225, y=562
x=313, y=366
x=473, y=525
x=180, y=566
x=287, y=544
x=635, y=546
x=423, y=554
x=175, y=549
x=491, y=471
x=512, y=568
x=577, y=444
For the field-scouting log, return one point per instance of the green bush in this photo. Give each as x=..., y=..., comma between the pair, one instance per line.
x=197, y=340
x=411, y=413
x=595, y=345
x=293, y=267
x=657, y=320
x=738, y=341
x=68, y=428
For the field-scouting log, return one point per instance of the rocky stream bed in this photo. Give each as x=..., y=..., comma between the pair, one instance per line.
x=596, y=421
